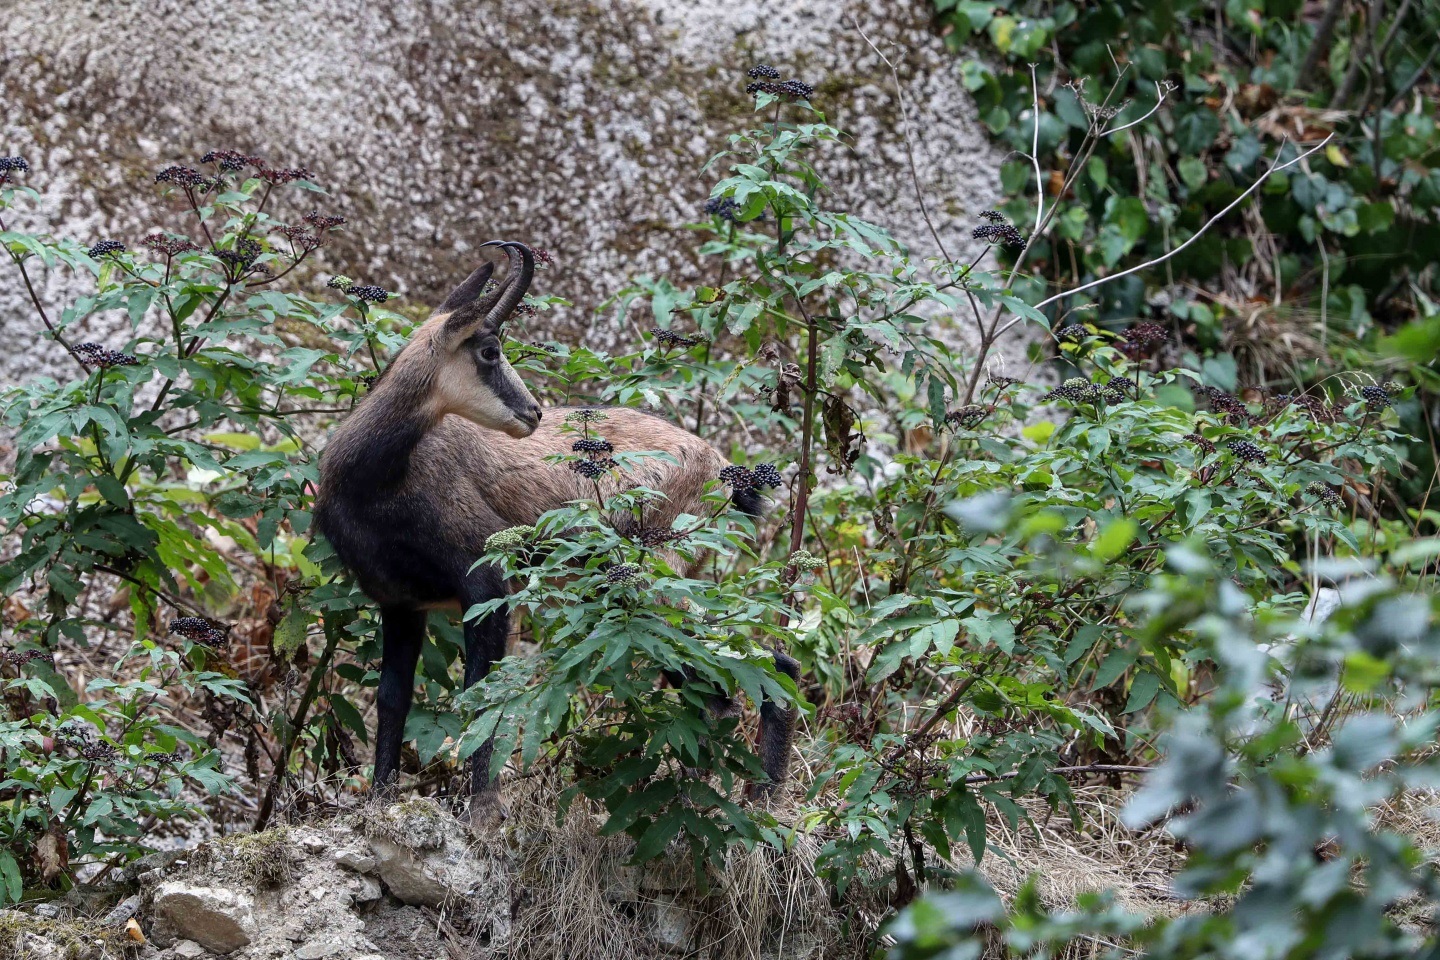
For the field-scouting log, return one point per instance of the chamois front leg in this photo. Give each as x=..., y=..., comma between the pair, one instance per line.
x=484, y=645
x=777, y=731
x=402, y=636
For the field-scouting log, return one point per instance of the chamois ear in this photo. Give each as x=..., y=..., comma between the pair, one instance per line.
x=469, y=291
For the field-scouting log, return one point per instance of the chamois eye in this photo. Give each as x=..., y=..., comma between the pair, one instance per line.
x=490, y=353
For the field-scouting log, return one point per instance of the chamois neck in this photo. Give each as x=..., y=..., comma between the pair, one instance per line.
x=371, y=450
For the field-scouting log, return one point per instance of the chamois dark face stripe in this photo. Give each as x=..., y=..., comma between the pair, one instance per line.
x=502, y=380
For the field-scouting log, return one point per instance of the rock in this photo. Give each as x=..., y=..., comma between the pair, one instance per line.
x=426, y=878
x=356, y=857
x=365, y=890
x=188, y=949
x=576, y=126
x=318, y=949
x=670, y=923
x=218, y=918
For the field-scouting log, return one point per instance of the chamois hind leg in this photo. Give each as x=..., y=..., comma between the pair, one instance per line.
x=484, y=645
x=777, y=730
x=402, y=635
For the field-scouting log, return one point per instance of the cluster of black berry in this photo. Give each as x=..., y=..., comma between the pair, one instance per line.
x=1147, y=334
x=624, y=575
x=669, y=338
x=1235, y=411
x=303, y=240
x=1122, y=385
x=201, y=631
x=597, y=460
x=232, y=160
x=1073, y=331
x=741, y=479
x=369, y=293
x=171, y=758
x=1200, y=442
x=1246, y=451
x=1076, y=390
x=763, y=71
x=89, y=747
x=993, y=216
x=287, y=175
x=592, y=469
x=94, y=355
x=168, y=245
x=592, y=445
x=1328, y=495
x=104, y=248
x=1002, y=233
x=969, y=416
x=723, y=207
x=182, y=177
x=321, y=222
x=796, y=89
x=658, y=538
x=1375, y=397
x=29, y=656
x=242, y=256
x=368, y=378
x=9, y=165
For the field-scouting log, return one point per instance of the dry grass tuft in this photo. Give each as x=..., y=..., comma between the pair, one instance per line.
x=261, y=860
x=75, y=939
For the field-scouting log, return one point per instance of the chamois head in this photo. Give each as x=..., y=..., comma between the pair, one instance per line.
x=475, y=381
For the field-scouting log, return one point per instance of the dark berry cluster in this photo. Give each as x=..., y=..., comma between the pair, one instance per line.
x=369, y=293
x=1327, y=494
x=1073, y=331
x=95, y=355
x=763, y=71
x=182, y=177
x=592, y=469
x=286, y=175
x=1001, y=383
x=302, y=239
x=242, y=256
x=1147, y=334
x=105, y=248
x=543, y=257
x=624, y=575
x=658, y=538
x=525, y=309
x=969, y=416
x=1002, y=233
x=669, y=338
x=232, y=160
x=1077, y=390
x=795, y=89
x=993, y=216
x=1235, y=411
x=321, y=222
x=723, y=207
x=168, y=245
x=368, y=378
x=742, y=479
x=1122, y=384
x=1246, y=451
x=200, y=630
x=86, y=743
x=9, y=165
x=592, y=445
x=167, y=758
x=1376, y=398
x=1200, y=442
x=29, y=656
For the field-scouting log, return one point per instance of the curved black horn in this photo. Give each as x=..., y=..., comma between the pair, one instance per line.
x=517, y=281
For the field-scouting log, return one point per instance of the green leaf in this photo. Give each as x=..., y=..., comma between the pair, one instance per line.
x=10, y=876
x=291, y=630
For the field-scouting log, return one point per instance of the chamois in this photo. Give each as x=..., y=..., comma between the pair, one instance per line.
x=448, y=448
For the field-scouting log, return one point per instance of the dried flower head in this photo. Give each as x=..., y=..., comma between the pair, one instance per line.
x=340, y=282
x=587, y=415
x=1000, y=382
x=510, y=537
x=95, y=355
x=200, y=630
x=303, y=240
x=105, y=248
